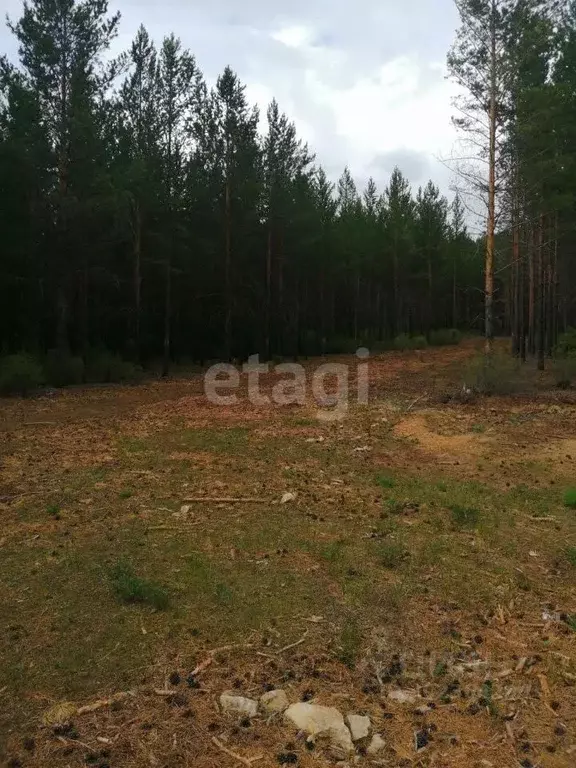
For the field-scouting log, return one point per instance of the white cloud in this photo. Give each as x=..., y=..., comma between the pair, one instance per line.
x=363, y=88
x=294, y=36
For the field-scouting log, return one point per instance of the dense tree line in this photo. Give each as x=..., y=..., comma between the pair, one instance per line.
x=516, y=61
x=142, y=210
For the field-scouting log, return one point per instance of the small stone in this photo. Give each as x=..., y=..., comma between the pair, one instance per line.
x=238, y=705
x=316, y=720
x=359, y=726
x=377, y=745
x=403, y=697
x=421, y=740
x=287, y=497
x=274, y=702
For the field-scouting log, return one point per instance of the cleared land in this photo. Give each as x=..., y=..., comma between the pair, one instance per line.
x=428, y=547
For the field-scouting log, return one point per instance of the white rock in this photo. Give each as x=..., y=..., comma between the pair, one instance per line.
x=274, y=702
x=359, y=726
x=287, y=497
x=238, y=705
x=403, y=697
x=376, y=745
x=322, y=721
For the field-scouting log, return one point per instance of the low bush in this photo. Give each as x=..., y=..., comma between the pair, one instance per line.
x=404, y=342
x=20, y=374
x=107, y=368
x=445, y=337
x=564, y=370
x=500, y=374
x=341, y=345
x=63, y=369
x=566, y=346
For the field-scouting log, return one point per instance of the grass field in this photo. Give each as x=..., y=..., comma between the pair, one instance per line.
x=430, y=546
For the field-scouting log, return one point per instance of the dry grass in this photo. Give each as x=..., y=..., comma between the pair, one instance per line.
x=378, y=563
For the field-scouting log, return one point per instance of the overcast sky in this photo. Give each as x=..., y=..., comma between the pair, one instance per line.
x=364, y=81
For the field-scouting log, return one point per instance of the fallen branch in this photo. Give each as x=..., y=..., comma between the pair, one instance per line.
x=293, y=645
x=74, y=742
x=210, y=658
x=244, y=760
x=413, y=403
x=102, y=703
x=225, y=500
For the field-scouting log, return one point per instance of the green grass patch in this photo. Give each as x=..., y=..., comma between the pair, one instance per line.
x=385, y=481
x=465, y=517
x=570, y=554
x=570, y=498
x=334, y=551
x=350, y=643
x=130, y=588
x=391, y=554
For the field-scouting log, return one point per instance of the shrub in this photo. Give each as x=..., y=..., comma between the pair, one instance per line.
x=62, y=369
x=20, y=374
x=445, y=337
x=465, y=517
x=570, y=498
x=129, y=588
x=105, y=367
x=419, y=342
x=311, y=343
x=404, y=342
x=341, y=345
x=564, y=370
x=566, y=346
x=380, y=345
x=499, y=375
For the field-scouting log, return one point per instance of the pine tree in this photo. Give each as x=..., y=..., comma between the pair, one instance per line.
x=478, y=62
x=61, y=43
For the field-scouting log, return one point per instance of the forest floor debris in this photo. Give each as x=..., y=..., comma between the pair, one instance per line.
x=400, y=584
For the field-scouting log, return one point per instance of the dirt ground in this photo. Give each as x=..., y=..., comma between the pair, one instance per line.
x=426, y=546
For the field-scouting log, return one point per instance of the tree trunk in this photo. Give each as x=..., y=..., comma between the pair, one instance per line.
x=228, y=278
x=516, y=292
x=541, y=295
x=531, y=295
x=137, y=279
x=167, y=315
x=268, y=306
x=454, y=298
x=491, y=225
